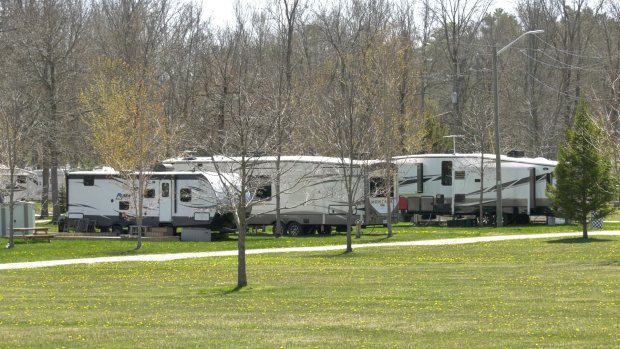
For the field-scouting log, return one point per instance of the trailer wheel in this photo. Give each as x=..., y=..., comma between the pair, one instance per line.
x=327, y=229
x=510, y=219
x=282, y=229
x=486, y=220
x=309, y=229
x=117, y=230
x=295, y=229
x=523, y=219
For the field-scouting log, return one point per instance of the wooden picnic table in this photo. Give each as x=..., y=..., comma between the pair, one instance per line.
x=35, y=235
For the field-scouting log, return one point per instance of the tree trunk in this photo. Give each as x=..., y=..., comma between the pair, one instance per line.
x=349, y=227
x=481, y=185
x=349, y=214
x=11, y=219
x=54, y=179
x=141, y=190
x=584, y=225
x=45, y=192
x=242, y=279
x=388, y=198
x=278, y=225
x=11, y=206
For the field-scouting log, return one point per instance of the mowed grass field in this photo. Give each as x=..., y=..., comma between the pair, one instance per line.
x=538, y=293
x=62, y=249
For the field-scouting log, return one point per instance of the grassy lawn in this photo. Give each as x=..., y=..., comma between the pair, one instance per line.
x=58, y=249
x=551, y=293
x=614, y=217
x=37, y=208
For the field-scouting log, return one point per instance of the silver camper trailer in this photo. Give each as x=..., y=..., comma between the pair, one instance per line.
x=312, y=190
x=26, y=184
x=23, y=216
x=450, y=184
x=172, y=199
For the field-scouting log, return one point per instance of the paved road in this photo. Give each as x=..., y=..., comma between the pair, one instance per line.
x=170, y=257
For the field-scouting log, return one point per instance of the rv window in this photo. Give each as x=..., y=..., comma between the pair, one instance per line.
x=123, y=205
x=22, y=179
x=378, y=187
x=149, y=193
x=89, y=181
x=446, y=173
x=186, y=195
x=264, y=192
x=263, y=187
x=165, y=190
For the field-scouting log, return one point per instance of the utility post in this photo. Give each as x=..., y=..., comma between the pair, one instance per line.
x=533, y=141
x=455, y=99
x=498, y=161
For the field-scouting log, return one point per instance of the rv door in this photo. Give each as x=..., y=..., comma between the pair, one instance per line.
x=165, y=200
x=460, y=186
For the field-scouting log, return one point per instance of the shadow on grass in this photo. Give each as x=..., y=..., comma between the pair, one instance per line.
x=577, y=241
x=234, y=290
x=612, y=264
x=385, y=238
x=336, y=254
x=222, y=291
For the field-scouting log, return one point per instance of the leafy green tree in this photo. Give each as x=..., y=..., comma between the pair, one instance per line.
x=125, y=114
x=584, y=183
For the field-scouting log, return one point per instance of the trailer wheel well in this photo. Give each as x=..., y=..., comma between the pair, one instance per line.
x=117, y=229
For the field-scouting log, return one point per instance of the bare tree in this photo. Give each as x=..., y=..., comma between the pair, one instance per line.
x=478, y=122
x=282, y=106
x=244, y=130
x=343, y=120
x=17, y=118
x=459, y=21
x=51, y=33
x=608, y=102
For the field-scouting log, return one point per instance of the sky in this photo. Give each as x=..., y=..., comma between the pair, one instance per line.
x=221, y=11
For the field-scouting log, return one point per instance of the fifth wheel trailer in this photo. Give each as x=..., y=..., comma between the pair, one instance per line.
x=312, y=191
x=26, y=184
x=172, y=199
x=449, y=184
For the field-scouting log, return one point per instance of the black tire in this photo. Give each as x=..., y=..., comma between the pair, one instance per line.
x=282, y=229
x=295, y=229
x=117, y=230
x=310, y=229
x=327, y=229
x=522, y=219
x=510, y=219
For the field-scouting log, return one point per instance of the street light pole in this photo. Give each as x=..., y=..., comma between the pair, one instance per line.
x=498, y=160
x=454, y=137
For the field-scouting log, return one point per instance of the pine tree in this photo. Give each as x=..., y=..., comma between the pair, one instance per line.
x=584, y=183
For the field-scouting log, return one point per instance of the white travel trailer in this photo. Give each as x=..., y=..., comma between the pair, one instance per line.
x=172, y=199
x=25, y=186
x=449, y=184
x=312, y=191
